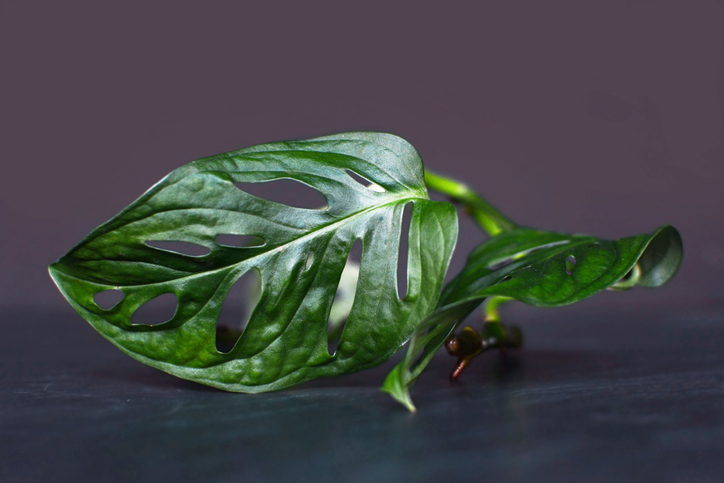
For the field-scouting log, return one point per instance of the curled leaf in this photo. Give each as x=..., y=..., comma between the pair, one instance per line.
x=539, y=268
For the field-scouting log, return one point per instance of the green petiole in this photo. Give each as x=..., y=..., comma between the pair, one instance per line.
x=488, y=217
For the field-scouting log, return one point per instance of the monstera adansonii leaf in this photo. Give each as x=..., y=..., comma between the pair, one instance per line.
x=539, y=268
x=300, y=262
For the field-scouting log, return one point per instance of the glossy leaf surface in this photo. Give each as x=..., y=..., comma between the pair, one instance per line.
x=300, y=260
x=539, y=268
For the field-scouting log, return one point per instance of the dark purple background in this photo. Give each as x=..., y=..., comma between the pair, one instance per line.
x=599, y=117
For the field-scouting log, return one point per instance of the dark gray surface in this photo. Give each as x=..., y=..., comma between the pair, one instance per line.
x=604, y=391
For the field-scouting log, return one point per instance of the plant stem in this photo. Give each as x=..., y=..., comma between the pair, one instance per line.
x=490, y=219
x=491, y=307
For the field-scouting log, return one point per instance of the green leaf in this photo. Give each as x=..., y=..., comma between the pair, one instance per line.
x=539, y=268
x=427, y=339
x=300, y=263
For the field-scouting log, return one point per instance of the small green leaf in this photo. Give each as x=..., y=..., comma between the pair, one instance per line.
x=396, y=387
x=300, y=260
x=424, y=343
x=539, y=268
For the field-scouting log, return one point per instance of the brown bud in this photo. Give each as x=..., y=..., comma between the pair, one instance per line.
x=452, y=345
x=470, y=342
x=466, y=345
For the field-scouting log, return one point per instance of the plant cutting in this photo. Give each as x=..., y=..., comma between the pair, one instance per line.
x=367, y=180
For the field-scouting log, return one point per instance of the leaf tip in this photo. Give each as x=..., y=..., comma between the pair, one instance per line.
x=53, y=271
x=403, y=398
x=395, y=387
x=661, y=258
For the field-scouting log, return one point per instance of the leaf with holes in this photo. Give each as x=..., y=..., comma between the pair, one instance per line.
x=539, y=268
x=197, y=231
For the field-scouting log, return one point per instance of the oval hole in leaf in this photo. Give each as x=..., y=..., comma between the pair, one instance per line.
x=239, y=303
x=344, y=297
x=402, y=255
x=181, y=247
x=570, y=264
x=240, y=241
x=286, y=191
x=108, y=299
x=364, y=181
x=156, y=311
x=310, y=260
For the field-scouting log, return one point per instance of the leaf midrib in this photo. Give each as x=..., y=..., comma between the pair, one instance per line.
x=312, y=233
